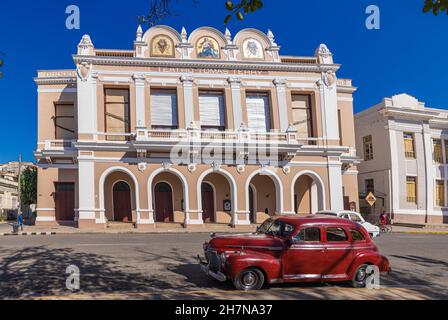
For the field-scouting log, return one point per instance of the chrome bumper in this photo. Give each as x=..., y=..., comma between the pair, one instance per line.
x=206, y=269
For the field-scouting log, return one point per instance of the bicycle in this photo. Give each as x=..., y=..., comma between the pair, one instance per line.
x=385, y=228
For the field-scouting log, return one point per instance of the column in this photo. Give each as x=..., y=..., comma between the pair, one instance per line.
x=429, y=165
x=235, y=85
x=329, y=104
x=280, y=86
x=335, y=185
x=87, y=104
x=86, y=196
x=188, y=100
x=140, y=101
x=395, y=186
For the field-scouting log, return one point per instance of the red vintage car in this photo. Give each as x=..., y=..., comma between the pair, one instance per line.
x=294, y=249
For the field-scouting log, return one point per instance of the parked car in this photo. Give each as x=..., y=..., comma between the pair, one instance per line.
x=294, y=249
x=374, y=231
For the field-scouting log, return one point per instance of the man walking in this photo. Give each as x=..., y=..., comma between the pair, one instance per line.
x=20, y=219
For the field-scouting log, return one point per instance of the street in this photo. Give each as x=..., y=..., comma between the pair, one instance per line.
x=163, y=266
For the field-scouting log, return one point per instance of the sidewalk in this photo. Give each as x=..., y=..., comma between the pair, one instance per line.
x=6, y=229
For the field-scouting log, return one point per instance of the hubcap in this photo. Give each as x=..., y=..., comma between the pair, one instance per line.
x=361, y=275
x=249, y=279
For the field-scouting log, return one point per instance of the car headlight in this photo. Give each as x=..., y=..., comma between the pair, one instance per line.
x=223, y=257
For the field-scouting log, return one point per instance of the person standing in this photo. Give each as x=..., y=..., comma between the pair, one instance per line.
x=20, y=219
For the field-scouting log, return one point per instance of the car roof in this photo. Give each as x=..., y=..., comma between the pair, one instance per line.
x=314, y=219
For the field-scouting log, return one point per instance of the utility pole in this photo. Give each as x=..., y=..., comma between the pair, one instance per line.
x=19, y=193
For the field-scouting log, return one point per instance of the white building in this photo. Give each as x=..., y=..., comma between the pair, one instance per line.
x=404, y=147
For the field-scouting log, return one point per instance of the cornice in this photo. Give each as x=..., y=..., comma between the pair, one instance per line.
x=203, y=64
x=62, y=80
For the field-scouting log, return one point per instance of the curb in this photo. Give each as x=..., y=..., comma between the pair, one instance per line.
x=29, y=234
x=422, y=232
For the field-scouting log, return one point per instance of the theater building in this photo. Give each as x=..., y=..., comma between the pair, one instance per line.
x=193, y=129
x=404, y=146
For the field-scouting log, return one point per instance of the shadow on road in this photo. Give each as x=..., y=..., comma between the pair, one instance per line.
x=39, y=271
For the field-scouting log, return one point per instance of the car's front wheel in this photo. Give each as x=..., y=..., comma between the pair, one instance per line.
x=360, y=278
x=249, y=279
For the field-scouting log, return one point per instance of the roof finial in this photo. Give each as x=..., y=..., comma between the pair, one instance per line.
x=184, y=35
x=139, y=33
x=228, y=36
x=271, y=37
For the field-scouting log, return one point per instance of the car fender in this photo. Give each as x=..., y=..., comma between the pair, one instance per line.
x=369, y=258
x=237, y=262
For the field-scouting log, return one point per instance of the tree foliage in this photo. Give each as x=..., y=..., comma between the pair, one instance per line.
x=435, y=6
x=2, y=56
x=28, y=186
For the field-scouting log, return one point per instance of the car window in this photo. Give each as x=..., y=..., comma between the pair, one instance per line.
x=309, y=235
x=355, y=217
x=336, y=234
x=328, y=214
x=276, y=228
x=357, y=235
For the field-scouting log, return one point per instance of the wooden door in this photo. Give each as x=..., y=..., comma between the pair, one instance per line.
x=163, y=197
x=64, y=198
x=122, y=202
x=208, y=203
x=251, y=205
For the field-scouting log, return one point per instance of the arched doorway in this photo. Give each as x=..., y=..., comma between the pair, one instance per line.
x=252, y=212
x=122, y=202
x=163, y=198
x=208, y=203
x=308, y=194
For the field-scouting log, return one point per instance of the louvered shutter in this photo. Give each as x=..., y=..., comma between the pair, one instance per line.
x=164, y=108
x=258, y=113
x=211, y=109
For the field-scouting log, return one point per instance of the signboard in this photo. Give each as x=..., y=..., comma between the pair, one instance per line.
x=371, y=199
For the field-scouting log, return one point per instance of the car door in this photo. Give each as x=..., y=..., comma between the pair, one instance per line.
x=338, y=252
x=304, y=259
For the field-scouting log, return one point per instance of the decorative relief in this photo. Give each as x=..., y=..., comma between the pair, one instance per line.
x=329, y=78
x=84, y=71
x=240, y=168
x=162, y=46
x=191, y=167
x=252, y=49
x=216, y=166
x=142, y=166
x=208, y=48
x=287, y=170
x=166, y=165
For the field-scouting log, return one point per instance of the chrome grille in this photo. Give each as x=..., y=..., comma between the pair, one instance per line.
x=213, y=259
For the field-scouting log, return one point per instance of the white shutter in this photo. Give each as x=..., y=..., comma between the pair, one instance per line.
x=163, y=108
x=258, y=113
x=211, y=108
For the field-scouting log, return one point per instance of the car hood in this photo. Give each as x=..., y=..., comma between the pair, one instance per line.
x=248, y=241
x=369, y=226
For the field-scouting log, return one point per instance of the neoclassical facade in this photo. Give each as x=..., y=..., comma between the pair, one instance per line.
x=404, y=146
x=193, y=129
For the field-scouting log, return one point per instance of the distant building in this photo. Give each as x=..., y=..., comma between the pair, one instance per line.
x=9, y=187
x=404, y=145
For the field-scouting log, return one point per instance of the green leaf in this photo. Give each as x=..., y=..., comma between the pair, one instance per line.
x=229, y=5
x=226, y=20
x=239, y=15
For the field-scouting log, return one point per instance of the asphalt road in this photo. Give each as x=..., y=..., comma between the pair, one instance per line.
x=163, y=266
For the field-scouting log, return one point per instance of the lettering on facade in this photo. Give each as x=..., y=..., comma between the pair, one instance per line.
x=212, y=71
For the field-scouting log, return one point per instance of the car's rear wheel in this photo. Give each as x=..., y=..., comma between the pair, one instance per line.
x=249, y=279
x=360, y=278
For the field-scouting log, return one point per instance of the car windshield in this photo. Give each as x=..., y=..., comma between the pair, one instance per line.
x=276, y=228
x=328, y=213
x=355, y=217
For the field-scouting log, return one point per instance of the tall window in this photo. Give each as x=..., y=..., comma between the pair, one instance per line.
x=446, y=151
x=411, y=190
x=164, y=109
x=64, y=121
x=438, y=153
x=368, y=148
x=440, y=193
x=117, y=113
x=211, y=110
x=258, y=112
x=409, y=150
x=302, y=115
x=370, y=186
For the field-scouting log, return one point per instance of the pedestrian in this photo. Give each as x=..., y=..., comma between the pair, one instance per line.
x=384, y=218
x=20, y=219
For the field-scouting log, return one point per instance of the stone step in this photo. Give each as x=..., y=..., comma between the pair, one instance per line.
x=120, y=225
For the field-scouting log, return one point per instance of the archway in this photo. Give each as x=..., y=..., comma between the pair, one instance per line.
x=225, y=195
x=308, y=194
x=107, y=182
x=208, y=203
x=122, y=204
x=163, y=198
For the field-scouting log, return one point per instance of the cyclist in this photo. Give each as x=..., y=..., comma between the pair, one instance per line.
x=384, y=218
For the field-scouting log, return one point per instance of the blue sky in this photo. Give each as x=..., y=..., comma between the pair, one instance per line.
x=408, y=54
